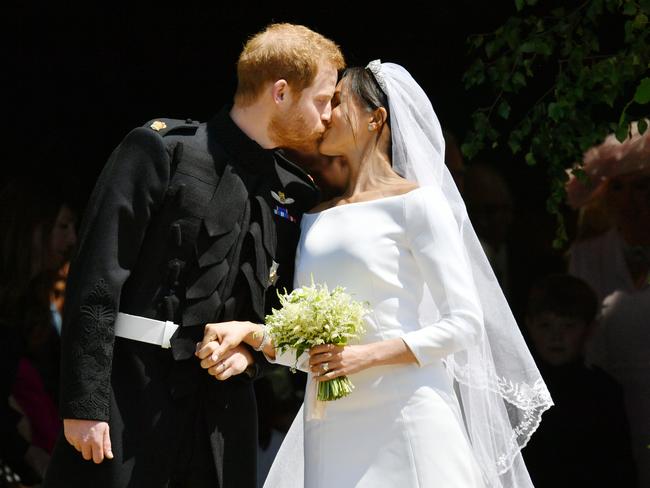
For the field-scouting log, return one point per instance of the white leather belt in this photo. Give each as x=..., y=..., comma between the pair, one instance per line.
x=143, y=329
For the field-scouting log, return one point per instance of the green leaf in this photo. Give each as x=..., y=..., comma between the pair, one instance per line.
x=530, y=159
x=504, y=110
x=642, y=94
x=642, y=126
x=527, y=47
x=490, y=48
x=629, y=8
x=640, y=21
x=621, y=132
x=519, y=4
x=515, y=146
x=555, y=111
x=544, y=48
x=470, y=150
x=518, y=79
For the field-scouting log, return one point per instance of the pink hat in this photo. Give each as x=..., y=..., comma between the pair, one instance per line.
x=609, y=159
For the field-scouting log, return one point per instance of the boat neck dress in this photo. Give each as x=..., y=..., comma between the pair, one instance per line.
x=401, y=426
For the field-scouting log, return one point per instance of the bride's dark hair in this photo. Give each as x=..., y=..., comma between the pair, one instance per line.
x=362, y=84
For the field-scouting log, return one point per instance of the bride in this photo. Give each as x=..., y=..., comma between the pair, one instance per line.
x=446, y=392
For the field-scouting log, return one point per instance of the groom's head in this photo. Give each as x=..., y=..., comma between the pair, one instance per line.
x=292, y=72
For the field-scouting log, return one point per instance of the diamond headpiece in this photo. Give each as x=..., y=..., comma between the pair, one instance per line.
x=375, y=68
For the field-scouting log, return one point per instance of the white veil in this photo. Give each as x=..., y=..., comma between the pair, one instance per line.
x=501, y=392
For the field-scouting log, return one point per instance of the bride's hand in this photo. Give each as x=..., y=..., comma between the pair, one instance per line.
x=220, y=338
x=328, y=361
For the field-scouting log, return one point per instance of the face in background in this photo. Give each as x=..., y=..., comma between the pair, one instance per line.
x=558, y=340
x=628, y=202
x=489, y=204
x=302, y=125
x=63, y=238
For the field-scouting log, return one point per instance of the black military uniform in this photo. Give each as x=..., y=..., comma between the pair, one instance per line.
x=191, y=223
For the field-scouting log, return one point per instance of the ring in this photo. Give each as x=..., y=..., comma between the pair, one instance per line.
x=325, y=367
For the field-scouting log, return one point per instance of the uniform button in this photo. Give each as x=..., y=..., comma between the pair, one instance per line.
x=188, y=121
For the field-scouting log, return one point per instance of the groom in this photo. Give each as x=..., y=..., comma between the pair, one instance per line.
x=188, y=224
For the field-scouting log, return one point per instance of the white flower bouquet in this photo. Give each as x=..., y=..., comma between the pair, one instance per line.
x=311, y=316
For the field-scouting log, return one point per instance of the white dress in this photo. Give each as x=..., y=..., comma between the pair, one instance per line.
x=401, y=426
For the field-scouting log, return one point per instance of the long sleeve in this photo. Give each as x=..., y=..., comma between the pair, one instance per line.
x=288, y=358
x=436, y=244
x=131, y=186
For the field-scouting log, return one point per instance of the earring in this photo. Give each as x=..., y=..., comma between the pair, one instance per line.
x=371, y=127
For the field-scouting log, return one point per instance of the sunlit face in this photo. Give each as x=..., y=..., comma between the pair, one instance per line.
x=343, y=134
x=302, y=125
x=557, y=340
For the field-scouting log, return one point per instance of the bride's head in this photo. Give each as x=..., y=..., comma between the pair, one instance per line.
x=360, y=120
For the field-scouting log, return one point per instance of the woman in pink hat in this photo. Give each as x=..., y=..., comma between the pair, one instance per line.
x=616, y=263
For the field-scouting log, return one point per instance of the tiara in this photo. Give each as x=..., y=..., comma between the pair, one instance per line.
x=375, y=68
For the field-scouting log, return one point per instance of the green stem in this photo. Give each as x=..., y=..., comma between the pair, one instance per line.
x=334, y=389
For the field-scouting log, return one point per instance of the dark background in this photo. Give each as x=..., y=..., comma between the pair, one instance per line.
x=78, y=76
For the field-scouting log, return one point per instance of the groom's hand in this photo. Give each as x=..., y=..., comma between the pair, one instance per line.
x=231, y=363
x=90, y=437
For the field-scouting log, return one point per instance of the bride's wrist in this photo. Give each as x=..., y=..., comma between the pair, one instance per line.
x=255, y=335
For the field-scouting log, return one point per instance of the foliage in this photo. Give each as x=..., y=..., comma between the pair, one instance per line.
x=559, y=81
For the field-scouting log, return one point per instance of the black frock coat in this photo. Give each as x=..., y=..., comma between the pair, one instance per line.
x=188, y=222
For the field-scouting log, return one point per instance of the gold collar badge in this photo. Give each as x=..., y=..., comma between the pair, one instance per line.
x=282, y=198
x=158, y=125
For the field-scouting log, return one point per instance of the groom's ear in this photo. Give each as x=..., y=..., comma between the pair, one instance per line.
x=279, y=91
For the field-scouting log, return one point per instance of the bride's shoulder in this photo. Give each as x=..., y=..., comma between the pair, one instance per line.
x=406, y=187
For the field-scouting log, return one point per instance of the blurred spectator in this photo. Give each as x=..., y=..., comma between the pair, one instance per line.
x=454, y=160
x=615, y=200
x=38, y=236
x=490, y=207
x=57, y=295
x=583, y=440
x=621, y=346
x=612, y=253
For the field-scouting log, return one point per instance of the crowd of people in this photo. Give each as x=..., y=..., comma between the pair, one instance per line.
x=584, y=317
x=38, y=238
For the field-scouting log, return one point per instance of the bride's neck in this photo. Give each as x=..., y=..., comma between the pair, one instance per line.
x=371, y=171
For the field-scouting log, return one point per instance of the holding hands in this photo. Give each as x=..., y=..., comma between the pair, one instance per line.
x=222, y=353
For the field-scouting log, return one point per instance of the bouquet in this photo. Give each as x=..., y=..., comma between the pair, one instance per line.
x=311, y=316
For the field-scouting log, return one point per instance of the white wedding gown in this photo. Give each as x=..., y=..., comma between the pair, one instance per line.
x=401, y=427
